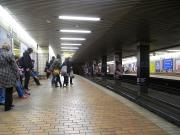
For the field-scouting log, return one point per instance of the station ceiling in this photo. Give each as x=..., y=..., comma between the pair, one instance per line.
x=123, y=23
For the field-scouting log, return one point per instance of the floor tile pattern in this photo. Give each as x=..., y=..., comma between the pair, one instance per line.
x=81, y=109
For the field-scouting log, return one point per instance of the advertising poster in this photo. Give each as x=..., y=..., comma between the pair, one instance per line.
x=178, y=66
x=158, y=66
x=168, y=64
x=152, y=67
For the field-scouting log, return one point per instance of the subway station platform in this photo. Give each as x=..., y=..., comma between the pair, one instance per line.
x=82, y=109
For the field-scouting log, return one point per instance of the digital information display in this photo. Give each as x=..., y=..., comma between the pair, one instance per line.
x=168, y=64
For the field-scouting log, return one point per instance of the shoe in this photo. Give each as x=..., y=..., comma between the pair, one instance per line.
x=7, y=108
x=24, y=97
x=71, y=83
x=27, y=92
x=12, y=106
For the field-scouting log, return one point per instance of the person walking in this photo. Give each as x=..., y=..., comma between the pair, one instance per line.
x=8, y=74
x=51, y=69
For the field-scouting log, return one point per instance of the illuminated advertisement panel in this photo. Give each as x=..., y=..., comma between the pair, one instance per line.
x=158, y=66
x=168, y=64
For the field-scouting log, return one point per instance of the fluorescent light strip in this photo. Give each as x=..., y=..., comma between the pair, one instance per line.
x=65, y=50
x=72, y=48
x=78, y=39
x=75, y=31
x=71, y=44
x=173, y=50
x=79, y=18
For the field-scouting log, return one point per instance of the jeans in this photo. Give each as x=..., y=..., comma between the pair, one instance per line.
x=19, y=88
x=2, y=95
x=58, y=80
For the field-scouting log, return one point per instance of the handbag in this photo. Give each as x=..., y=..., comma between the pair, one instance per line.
x=71, y=74
x=56, y=72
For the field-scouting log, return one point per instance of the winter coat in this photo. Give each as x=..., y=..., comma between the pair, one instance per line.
x=8, y=69
x=27, y=61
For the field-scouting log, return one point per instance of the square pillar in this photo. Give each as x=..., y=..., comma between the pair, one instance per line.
x=118, y=57
x=104, y=66
x=143, y=67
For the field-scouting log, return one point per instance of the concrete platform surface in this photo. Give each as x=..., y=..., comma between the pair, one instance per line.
x=82, y=109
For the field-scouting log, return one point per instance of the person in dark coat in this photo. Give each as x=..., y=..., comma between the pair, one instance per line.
x=27, y=66
x=8, y=74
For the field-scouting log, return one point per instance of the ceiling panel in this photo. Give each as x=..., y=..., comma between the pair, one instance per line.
x=124, y=23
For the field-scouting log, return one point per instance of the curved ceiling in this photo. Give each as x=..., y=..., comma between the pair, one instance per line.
x=123, y=23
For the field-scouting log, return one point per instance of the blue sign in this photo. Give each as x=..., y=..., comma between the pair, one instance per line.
x=168, y=64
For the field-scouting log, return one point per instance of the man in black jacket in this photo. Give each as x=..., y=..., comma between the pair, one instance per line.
x=27, y=66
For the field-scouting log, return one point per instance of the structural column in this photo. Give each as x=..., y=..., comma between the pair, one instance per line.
x=143, y=67
x=118, y=57
x=104, y=66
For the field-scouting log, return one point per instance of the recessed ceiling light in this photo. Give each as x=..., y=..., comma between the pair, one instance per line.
x=71, y=48
x=75, y=31
x=79, y=18
x=70, y=44
x=78, y=39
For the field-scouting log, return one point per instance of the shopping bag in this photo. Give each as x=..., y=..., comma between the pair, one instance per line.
x=56, y=72
x=64, y=71
x=71, y=74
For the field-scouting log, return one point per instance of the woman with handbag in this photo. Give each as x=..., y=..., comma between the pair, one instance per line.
x=8, y=74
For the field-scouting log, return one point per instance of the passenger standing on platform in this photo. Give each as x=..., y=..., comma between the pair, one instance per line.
x=27, y=66
x=8, y=74
x=51, y=63
x=47, y=69
x=56, y=70
x=19, y=86
x=64, y=72
x=69, y=70
x=71, y=75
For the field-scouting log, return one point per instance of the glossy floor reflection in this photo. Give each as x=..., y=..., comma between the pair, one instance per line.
x=81, y=109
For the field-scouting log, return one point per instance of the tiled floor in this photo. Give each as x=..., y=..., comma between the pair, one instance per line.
x=82, y=109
